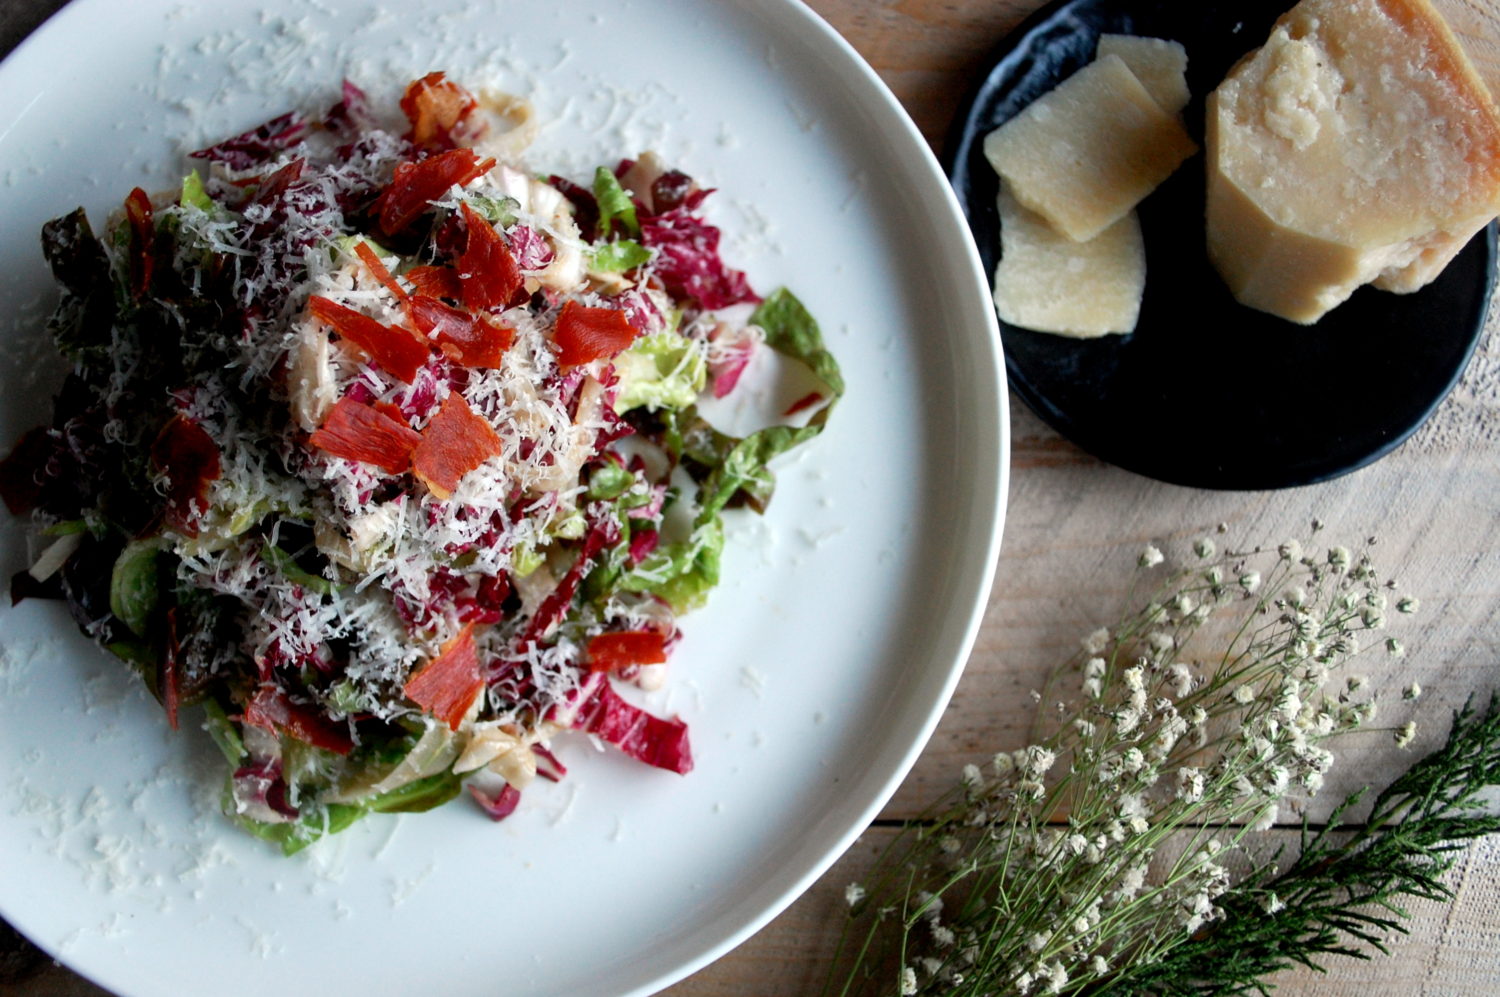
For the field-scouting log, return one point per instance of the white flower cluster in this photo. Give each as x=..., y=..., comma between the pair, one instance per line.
x=1110, y=834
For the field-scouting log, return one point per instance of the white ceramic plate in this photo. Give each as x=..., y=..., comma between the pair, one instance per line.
x=810, y=682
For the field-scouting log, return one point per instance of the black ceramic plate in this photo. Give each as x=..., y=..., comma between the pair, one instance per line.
x=1207, y=392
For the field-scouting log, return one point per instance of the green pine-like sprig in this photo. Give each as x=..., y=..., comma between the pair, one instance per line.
x=1344, y=892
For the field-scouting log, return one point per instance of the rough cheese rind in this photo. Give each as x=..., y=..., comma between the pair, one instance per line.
x=1050, y=283
x=1085, y=153
x=1356, y=146
x=1160, y=65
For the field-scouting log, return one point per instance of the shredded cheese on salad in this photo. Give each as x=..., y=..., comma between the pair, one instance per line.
x=384, y=453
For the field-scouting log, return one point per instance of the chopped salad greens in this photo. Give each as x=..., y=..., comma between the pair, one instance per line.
x=383, y=456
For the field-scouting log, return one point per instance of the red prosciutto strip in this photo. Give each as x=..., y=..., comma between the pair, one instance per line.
x=436, y=108
x=436, y=282
x=189, y=458
x=454, y=443
x=488, y=276
x=142, y=241
x=271, y=710
x=612, y=651
x=472, y=340
x=377, y=269
x=416, y=185
x=584, y=334
x=447, y=685
x=395, y=350
x=356, y=431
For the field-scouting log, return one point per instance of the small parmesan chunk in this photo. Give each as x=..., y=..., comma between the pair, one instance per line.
x=1159, y=64
x=1357, y=146
x=1049, y=283
x=1085, y=153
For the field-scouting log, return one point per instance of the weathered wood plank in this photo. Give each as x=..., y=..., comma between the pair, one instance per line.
x=1450, y=949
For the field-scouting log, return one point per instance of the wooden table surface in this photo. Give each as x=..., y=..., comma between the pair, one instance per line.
x=1075, y=525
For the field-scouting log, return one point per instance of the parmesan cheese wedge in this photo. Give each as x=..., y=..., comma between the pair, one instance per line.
x=1358, y=145
x=1085, y=153
x=1160, y=65
x=1049, y=283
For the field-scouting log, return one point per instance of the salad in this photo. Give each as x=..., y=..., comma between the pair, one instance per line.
x=382, y=457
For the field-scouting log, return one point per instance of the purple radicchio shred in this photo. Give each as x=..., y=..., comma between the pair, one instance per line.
x=531, y=248
x=351, y=115
x=674, y=189
x=498, y=805
x=548, y=766
x=688, y=262
x=259, y=145
x=262, y=782
x=585, y=205
x=646, y=738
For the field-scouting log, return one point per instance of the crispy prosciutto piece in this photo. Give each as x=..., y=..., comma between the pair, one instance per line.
x=390, y=410
x=271, y=710
x=436, y=107
x=653, y=740
x=395, y=350
x=142, y=241
x=487, y=272
x=472, y=340
x=377, y=269
x=584, y=334
x=447, y=685
x=416, y=185
x=612, y=651
x=356, y=431
x=435, y=282
x=189, y=458
x=454, y=442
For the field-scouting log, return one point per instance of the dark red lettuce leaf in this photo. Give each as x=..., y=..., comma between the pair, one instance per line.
x=653, y=740
x=259, y=144
x=688, y=261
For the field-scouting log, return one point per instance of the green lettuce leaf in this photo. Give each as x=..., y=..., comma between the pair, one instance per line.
x=495, y=210
x=223, y=731
x=194, y=195
x=610, y=480
x=682, y=573
x=315, y=822
x=740, y=470
x=287, y=567
x=792, y=331
x=618, y=256
x=662, y=370
x=614, y=204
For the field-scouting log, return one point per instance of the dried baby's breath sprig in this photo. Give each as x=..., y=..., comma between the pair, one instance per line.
x=1104, y=844
x=1343, y=892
